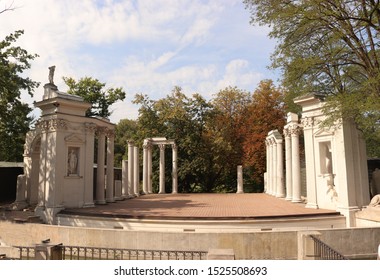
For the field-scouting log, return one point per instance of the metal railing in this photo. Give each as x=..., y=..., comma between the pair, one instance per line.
x=322, y=251
x=94, y=253
x=26, y=253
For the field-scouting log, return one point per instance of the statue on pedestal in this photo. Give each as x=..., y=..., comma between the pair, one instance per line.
x=51, y=74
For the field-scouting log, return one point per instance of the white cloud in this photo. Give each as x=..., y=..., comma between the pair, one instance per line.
x=142, y=45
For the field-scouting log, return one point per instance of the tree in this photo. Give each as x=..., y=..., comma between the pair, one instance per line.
x=230, y=108
x=14, y=119
x=265, y=113
x=92, y=91
x=329, y=47
x=125, y=130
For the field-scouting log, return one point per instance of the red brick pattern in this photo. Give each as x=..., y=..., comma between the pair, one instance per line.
x=205, y=206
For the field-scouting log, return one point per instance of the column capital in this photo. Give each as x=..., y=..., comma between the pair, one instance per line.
x=147, y=145
x=162, y=147
x=110, y=133
x=100, y=130
x=130, y=142
x=174, y=147
x=89, y=127
x=56, y=124
x=295, y=130
x=307, y=122
x=287, y=132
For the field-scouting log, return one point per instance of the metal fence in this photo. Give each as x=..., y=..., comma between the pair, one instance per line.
x=94, y=253
x=26, y=253
x=322, y=251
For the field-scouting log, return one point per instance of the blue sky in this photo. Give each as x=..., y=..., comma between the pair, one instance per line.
x=146, y=46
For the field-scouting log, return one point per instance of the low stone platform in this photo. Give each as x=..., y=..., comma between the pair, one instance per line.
x=202, y=212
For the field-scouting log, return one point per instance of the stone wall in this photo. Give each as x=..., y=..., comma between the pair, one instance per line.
x=257, y=245
x=353, y=242
x=359, y=242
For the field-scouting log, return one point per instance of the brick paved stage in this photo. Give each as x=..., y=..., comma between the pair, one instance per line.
x=201, y=206
x=202, y=213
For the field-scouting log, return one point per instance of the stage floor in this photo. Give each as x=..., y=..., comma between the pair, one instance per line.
x=200, y=206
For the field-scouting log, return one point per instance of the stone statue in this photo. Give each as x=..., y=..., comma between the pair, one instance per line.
x=73, y=162
x=51, y=74
x=375, y=201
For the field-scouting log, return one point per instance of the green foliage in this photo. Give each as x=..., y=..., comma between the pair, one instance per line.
x=92, y=91
x=211, y=135
x=330, y=48
x=14, y=120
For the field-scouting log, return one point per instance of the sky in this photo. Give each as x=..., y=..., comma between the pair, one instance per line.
x=143, y=46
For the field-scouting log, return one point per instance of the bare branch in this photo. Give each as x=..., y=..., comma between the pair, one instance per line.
x=8, y=8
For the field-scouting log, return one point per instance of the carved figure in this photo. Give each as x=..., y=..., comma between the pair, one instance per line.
x=73, y=162
x=51, y=74
x=375, y=201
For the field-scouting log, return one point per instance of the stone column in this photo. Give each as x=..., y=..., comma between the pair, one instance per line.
x=270, y=170
x=288, y=163
x=145, y=167
x=175, y=167
x=149, y=169
x=266, y=183
x=240, y=179
x=130, y=169
x=274, y=167
x=136, y=171
x=110, y=194
x=308, y=124
x=100, y=184
x=124, y=179
x=279, y=167
x=162, y=169
x=90, y=129
x=296, y=167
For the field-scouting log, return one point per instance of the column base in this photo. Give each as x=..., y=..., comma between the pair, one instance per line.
x=88, y=205
x=110, y=200
x=312, y=205
x=288, y=198
x=101, y=202
x=350, y=214
x=296, y=200
x=48, y=214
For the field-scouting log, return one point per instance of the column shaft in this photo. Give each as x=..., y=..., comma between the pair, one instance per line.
x=149, y=169
x=280, y=170
x=145, y=168
x=124, y=179
x=130, y=169
x=274, y=167
x=296, y=167
x=288, y=165
x=100, y=184
x=136, y=170
x=110, y=193
x=174, y=171
x=162, y=169
x=240, y=179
